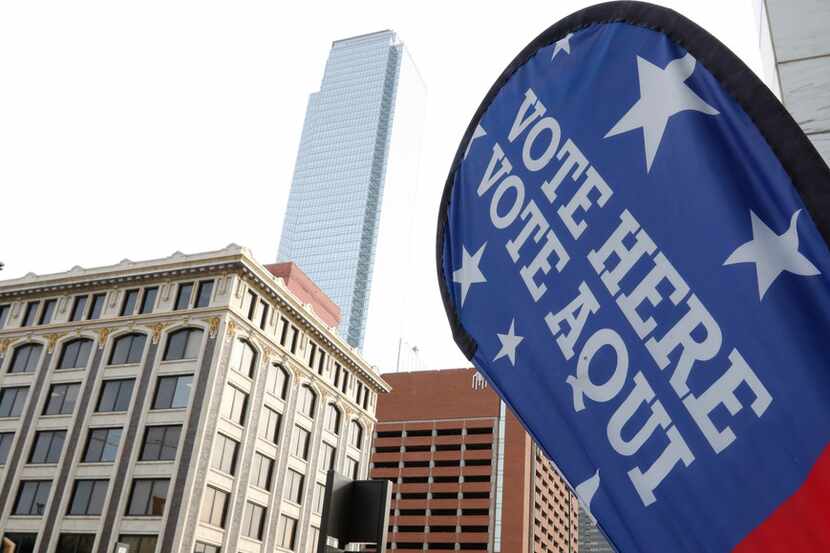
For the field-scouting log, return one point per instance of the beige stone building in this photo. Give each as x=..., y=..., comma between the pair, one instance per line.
x=185, y=404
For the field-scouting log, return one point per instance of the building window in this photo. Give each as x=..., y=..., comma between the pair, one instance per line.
x=355, y=435
x=312, y=353
x=183, y=344
x=299, y=448
x=148, y=497
x=205, y=548
x=295, y=338
x=24, y=543
x=75, y=543
x=160, y=443
x=253, y=522
x=4, y=314
x=345, y=383
x=6, y=439
x=96, y=308
x=319, y=497
x=328, y=455
x=234, y=404
x=128, y=305
x=102, y=445
x=30, y=313
x=32, y=497
x=261, y=470
x=12, y=400
x=88, y=498
x=270, y=429
x=78, y=308
x=62, y=399
x=48, y=312
x=214, y=504
x=173, y=392
x=25, y=358
x=306, y=401
x=47, y=447
x=351, y=468
x=293, y=490
x=203, y=293
x=75, y=354
x=332, y=419
x=244, y=358
x=314, y=539
x=252, y=299
x=128, y=349
x=148, y=300
x=183, y=296
x=224, y=454
x=139, y=543
x=287, y=532
x=115, y=395
x=284, y=331
x=263, y=315
x=277, y=382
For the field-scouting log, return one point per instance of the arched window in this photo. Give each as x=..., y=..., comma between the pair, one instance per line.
x=332, y=418
x=278, y=381
x=183, y=344
x=25, y=358
x=244, y=358
x=355, y=434
x=75, y=354
x=306, y=402
x=128, y=349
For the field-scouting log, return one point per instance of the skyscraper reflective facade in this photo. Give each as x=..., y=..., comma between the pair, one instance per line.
x=354, y=185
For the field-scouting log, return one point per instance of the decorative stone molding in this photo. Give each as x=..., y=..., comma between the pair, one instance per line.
x=103, y=334
x=213, y=327
x=4, y=345
x=52, y=339
x=231, y=330
x=157, y=329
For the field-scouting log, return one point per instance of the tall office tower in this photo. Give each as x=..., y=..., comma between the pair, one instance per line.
x=190, y=404
x=355, y=180
x=466, y=476
x=591, y=538
x=795, y=47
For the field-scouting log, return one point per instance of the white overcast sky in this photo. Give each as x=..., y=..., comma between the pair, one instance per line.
x=132, y=130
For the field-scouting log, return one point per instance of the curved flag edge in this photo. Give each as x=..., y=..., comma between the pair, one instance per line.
x=807, y=170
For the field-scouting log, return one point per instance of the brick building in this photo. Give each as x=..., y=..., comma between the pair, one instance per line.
x=190, y=404
x=466, y=476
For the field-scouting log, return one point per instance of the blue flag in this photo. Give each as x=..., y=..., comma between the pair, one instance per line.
x=631, y=249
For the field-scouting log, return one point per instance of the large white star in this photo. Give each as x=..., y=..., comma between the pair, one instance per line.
x=509, y=343
x=469, y=273
x=772, y=254
x=562, y=45
x=663, y=93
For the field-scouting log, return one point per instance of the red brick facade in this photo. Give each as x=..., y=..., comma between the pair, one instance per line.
x=438, y=440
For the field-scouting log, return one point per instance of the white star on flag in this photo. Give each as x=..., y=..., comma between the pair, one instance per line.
x=772, y=254
x=563, y=45
x=663, y=93
x=469, y=273
x=509, y=343
x=478, y=133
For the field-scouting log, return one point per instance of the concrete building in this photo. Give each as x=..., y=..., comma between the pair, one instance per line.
x=466, y=476
x=795, y=47
x=187, y=404
x=355, y=180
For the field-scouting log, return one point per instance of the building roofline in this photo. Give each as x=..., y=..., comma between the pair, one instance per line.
x=365, y=35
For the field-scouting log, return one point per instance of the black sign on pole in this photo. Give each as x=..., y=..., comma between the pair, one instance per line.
x=354, y=511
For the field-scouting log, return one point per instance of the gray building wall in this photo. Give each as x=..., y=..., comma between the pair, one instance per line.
x=800, y=56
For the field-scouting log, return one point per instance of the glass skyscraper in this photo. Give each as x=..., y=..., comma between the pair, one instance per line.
x=355, y=180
